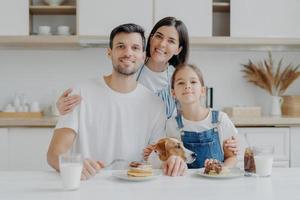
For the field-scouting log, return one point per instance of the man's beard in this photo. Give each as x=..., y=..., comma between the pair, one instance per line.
x=125, y=71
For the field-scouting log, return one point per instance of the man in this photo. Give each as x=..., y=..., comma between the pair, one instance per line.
x=117, y=117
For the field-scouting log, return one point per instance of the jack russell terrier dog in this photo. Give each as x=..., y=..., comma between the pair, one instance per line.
x=167, y=147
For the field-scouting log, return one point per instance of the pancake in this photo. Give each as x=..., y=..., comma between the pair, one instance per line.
x=138, y=169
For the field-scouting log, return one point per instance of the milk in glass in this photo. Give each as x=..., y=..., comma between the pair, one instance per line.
x=263, y=164
x=70, y=166
x=263, y=158
x=70, y=174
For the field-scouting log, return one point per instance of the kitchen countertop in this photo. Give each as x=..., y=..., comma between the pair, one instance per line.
x=283, y=184
x=266, y=121
x=49, y=121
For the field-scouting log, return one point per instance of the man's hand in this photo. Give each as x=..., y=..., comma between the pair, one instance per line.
x=66, y=103
x=90, y=168
x=174, y=166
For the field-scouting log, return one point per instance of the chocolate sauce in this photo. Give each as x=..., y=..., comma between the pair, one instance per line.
x=249, y=164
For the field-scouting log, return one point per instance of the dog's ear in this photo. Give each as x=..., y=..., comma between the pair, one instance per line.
x=160, y=147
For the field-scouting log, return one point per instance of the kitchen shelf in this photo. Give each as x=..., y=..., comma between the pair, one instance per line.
x=221, y=7
x=246, y=43
x=65, y=14
x=217, y=43
x=39, y=42
x=52, y=10
x=231, y=43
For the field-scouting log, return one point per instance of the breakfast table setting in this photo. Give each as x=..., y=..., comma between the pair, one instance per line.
x=284, y=183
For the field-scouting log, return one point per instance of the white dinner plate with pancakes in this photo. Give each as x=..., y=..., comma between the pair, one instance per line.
x=234, y=172
x=122, y=174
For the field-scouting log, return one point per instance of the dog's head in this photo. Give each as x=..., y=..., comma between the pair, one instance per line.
x=167, y=147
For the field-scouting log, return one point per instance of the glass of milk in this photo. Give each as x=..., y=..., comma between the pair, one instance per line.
x=70, y=166
x=263, y=158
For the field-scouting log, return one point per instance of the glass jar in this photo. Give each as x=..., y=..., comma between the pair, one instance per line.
x=249, y=164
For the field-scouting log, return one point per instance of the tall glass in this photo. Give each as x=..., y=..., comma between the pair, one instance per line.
x=263, y=157
x=70, y=167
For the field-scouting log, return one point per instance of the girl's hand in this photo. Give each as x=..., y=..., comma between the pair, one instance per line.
x=66, y=104
x=147, y=151
x=174, y=166
x=230, y=146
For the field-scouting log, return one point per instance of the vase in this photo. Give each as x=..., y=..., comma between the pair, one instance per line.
x=276, y=102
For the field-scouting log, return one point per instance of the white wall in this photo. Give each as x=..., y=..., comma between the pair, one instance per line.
x=222, y=71
x=41, y=74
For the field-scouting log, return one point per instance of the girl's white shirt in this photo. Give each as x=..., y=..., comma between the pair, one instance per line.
x=225, y=127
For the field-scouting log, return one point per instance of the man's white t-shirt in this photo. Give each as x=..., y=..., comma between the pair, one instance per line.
x=225, y=127
x=111, y=125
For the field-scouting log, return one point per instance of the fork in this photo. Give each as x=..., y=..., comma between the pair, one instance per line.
x=115, y=161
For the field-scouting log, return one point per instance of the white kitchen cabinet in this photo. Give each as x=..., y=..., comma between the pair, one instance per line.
x=267, y=18
x=3, y=149
x=27, y=148
x=295, y=150
x=14, y=18
x=199, y=17
x=278, y=137
x=99, y=17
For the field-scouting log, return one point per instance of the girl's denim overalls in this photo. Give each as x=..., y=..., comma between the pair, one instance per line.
x=205, y=144
x=165, y=93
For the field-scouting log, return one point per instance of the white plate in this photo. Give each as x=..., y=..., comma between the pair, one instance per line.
x=123, y=175
x=232, y=173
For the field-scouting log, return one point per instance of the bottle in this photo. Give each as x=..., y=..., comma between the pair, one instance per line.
x=17, y=101
x=249, y=164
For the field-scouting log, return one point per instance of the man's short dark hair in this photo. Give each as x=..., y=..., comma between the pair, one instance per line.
x=127, y=28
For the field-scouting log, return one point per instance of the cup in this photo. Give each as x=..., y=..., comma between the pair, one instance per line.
x=70, y=166
x=9, y=108
x=44, y=30
x=263, y=158
x=35, y=107
x=63, y=30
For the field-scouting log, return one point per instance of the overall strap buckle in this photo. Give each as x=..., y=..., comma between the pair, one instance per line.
x=215, y=120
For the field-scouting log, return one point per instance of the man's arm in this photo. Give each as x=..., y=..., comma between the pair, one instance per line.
x=61, y=142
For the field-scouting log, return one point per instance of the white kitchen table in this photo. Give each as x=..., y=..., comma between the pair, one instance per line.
x=43, y=185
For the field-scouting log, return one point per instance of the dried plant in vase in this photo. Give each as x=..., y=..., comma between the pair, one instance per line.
x=274, y=80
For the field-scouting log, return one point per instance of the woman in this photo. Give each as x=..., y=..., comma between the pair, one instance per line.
x=167, y=47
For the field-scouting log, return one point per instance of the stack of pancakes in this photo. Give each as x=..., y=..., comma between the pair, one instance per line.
x=138, y=169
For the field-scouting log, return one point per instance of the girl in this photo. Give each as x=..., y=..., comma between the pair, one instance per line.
x=167, y=47
x=201, y=129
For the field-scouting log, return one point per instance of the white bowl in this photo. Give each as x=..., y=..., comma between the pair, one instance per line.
x=54, y=2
